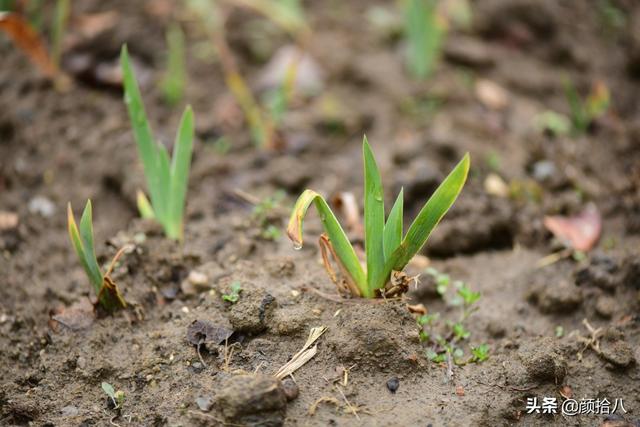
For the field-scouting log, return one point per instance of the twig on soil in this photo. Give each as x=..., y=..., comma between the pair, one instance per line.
x=351, y=408
x=325, y=399
x=592, y=342
x=303, y=356
x=553, y=258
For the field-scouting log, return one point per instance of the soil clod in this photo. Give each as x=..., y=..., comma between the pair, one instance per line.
x=253, y=400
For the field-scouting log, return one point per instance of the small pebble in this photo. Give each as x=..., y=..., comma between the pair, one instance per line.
x=290, y=388
x=205, y=403
x=81, y=363
x=42, y=206
x=69, y=411
x=197, y=367
x=393, y=384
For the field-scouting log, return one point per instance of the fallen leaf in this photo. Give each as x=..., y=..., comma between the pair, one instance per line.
x=417, y=309
x=8, y=220
x=76, y=317
x=566, y=392
x=203, y=332
x=92, y=24
x=580, y=232
x=25, y=37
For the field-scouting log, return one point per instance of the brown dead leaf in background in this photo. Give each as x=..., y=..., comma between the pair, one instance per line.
x=202, y=332
x=23, y=35
x=347, y=206
x=581, y=232
x=92, y=24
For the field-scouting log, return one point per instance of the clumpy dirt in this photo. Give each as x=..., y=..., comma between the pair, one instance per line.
x=567, y=330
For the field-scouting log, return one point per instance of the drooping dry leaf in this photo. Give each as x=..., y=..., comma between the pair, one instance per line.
x=25, y=37
x=580, y=232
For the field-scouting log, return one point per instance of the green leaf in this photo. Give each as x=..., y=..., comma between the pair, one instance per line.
x=424, y=35
x=174, y=81
x=393, y=227
x=373, y=218
x=85, y=255
x=429, y=216
x=86, y=234
x=144, y=207
x=180, y=166
x=76, y=241
x=147, y=147
x=344, y=251
x=109, y=390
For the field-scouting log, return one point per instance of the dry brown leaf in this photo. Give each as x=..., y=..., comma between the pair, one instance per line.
x=25, y=37
x=417, y=309
x=78, y=316
x=580, y=232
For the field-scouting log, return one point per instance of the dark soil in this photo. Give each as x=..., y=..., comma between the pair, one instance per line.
x=74, y=145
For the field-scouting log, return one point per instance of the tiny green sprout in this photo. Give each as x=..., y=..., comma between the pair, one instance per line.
x=442, y=280
x=234, y=295
x=59, y=26
x=584, y=112
x=173, y=83
x=559, y=331
x=424, y=31
x=386, y=249
x=167, y=179
x=108, y=294
x=468, y=296
x=117, y=397
x=480, y=353
x=460, y=332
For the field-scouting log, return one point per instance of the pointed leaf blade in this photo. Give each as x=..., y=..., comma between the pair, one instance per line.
x=393, y=227
x=181, y=163
x=373, y=217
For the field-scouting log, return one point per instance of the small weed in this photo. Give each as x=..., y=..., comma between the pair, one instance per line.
x=444, y=338
x=263, y=214
x=234, y=295
x=480, y=353
x=117, y=397
x=387, y=248
x=585, y=111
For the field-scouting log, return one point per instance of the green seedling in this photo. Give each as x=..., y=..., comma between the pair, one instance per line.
x=425, y=32
x=445, y=338
x=167, y=180
x=480, y=353
x=108, y=295
x=60, y=19
x=585, y=111
x=173, y=83
x=263, y=215
x=117, y=397
x=234, y=295
x=387, y=251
